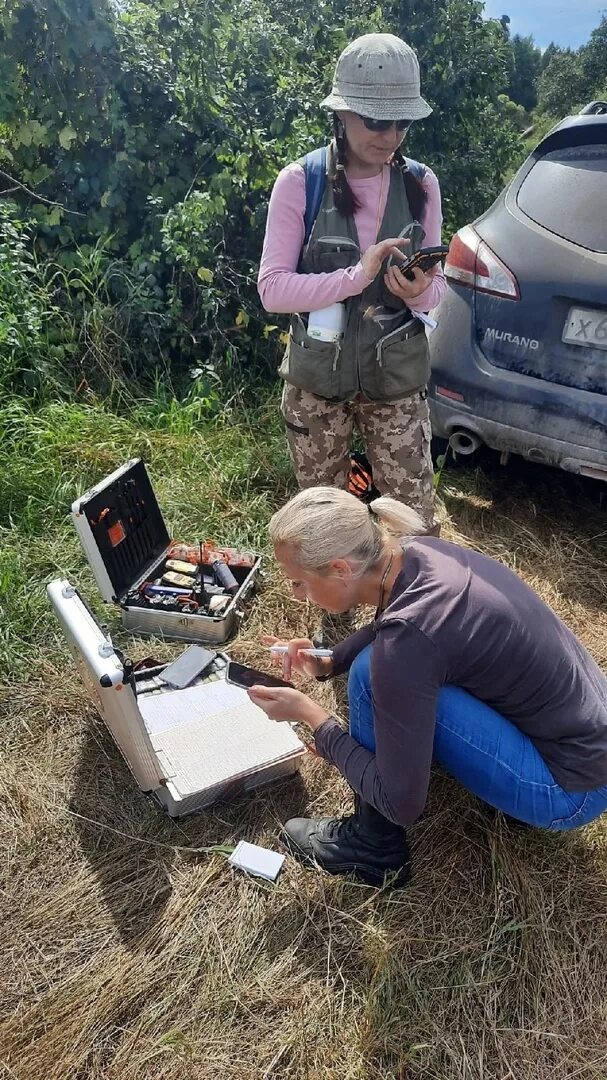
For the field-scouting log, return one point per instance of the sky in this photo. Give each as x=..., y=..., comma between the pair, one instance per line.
x=563, y=22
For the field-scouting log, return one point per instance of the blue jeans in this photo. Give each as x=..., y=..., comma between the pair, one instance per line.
x=487, y=754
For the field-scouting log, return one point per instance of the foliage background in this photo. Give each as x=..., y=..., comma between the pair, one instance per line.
x=151, y=135
x=138, y=146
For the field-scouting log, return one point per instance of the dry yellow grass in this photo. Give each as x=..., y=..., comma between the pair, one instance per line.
x=130, y=955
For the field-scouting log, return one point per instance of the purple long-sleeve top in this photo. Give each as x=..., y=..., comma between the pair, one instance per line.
x=456, y=616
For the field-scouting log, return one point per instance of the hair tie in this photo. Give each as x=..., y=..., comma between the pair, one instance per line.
x=340, y=168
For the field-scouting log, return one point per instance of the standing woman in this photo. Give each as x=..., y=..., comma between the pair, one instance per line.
x=373, y=377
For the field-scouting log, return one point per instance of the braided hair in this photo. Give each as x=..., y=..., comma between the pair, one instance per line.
x=343, y=196
x=417, y=195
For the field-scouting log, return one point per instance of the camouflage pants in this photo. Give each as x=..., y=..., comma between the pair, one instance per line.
x=395, y=434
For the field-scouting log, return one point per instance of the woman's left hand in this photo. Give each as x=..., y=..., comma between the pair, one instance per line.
x=285, y=703
x=400, y=286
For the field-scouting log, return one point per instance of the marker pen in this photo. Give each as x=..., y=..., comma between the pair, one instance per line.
x=320, y=653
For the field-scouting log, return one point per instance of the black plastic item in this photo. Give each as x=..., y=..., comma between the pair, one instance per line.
x=128, y=527
x=360, y=477
x=225, y=577
x=241, y=675
x=202, y=596
x=594, y=108
x=187, y=667
x=424, y=259
x=215, y=590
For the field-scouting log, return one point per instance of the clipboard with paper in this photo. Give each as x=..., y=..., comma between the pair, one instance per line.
x=188, y=748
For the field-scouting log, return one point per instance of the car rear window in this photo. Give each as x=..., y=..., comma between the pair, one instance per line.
x=566, y=192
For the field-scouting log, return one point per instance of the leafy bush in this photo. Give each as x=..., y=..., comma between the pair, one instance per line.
x=154, y=133
x=572, y=77
x=27, y=352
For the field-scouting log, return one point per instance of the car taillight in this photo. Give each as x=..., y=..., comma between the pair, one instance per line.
x=471, y=262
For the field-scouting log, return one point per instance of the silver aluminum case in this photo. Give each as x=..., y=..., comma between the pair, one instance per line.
x=170, y=625
x=101, y=669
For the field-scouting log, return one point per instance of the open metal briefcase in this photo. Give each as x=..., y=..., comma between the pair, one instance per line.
x=127, y=544
x=189, y=748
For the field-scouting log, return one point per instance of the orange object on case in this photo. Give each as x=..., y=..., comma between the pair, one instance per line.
x=116, y=533
x=208, y=553
x=187, y=552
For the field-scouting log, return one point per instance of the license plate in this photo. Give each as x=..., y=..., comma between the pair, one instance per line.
x=586, y=327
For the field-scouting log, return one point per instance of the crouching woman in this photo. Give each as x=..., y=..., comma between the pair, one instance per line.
x=463, y=663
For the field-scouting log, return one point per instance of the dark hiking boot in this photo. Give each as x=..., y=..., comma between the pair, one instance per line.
x=364, y=844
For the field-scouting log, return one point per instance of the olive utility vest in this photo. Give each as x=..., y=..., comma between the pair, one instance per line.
x=383, y=354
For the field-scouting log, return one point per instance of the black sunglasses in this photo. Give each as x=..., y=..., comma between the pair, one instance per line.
x=384, y=125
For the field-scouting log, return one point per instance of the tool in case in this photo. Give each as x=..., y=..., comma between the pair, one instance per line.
x=187, y=747
x=190, y=592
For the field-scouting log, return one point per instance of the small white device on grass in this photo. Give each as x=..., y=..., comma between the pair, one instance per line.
x=188, y=747
x=257, y=860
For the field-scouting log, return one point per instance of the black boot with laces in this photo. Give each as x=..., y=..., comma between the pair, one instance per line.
x=364, y=844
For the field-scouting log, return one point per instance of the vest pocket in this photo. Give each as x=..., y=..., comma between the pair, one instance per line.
x=403, y=361
x=310, y=364
x=329, y=261
x=335, y=253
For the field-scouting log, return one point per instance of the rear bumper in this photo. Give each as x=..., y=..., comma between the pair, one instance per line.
x=575, y=457
x=542, y=421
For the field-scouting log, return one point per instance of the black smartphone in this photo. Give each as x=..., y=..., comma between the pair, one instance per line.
x=187, y=667
x=424, y=259
x=240, y=675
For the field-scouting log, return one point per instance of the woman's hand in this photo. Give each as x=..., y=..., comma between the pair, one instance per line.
x=404, y=289
x=296, y=660
x=284, y=703
x=374, y=256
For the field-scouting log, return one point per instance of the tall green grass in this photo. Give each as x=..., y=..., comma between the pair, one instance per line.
x=215, y=477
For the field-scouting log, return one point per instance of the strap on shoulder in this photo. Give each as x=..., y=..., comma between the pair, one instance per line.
x=315, y=171
x=416, y=168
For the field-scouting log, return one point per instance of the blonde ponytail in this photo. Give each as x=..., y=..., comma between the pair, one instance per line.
x=397, y=518
x=322, y=524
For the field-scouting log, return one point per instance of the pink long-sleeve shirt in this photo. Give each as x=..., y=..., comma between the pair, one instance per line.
x=280, y=286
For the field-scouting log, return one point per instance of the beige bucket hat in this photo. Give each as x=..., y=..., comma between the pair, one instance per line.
x=378, y=76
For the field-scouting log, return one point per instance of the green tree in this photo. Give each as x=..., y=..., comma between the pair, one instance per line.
x=572, y=78
x=593, y=58
x=527, y=58
x=547, y=55
x=158, y=129
x=559, y=85
x=469, y=139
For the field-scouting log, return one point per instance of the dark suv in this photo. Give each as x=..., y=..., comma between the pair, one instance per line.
x=519, y=358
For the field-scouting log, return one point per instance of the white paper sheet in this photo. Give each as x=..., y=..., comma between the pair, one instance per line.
x=176, y=707
x=212, y=734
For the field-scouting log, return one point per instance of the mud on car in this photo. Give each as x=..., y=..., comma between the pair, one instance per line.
x=519, y=357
